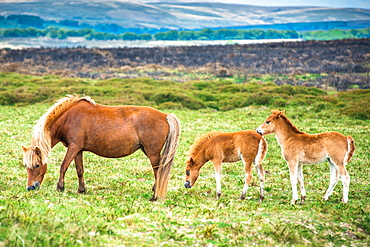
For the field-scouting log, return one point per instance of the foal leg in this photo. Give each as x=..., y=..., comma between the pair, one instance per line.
x=218, y=173
x=293, y=180
x=344, y=176
x=72, y=151
x=80, y=172
x=248, y=177
x=334, y=177
x=301, y=183
x=261, y=176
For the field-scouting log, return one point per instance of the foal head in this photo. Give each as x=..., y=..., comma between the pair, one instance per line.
x=192, y=173
x=36, y=168
x=269, y=125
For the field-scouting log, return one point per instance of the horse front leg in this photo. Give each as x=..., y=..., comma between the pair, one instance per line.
x=70, y=155
x=293, y=180
x=218, y=173
x=301, y=183
x=80, y=172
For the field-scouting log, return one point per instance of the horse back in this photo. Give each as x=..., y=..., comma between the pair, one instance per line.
x=230, y=146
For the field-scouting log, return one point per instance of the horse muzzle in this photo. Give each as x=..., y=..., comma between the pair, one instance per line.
x=259, y=131
x=35, y=186
x=187, y=184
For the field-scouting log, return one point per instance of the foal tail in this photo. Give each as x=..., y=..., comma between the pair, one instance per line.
x=351, y=148
x=167, y=156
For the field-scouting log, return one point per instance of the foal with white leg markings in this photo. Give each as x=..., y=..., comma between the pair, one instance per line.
x=219, y=147
x=300, y=148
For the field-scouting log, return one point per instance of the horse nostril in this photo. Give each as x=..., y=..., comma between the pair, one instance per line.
x=37, y=184
x=187, y=184
x=32, y=187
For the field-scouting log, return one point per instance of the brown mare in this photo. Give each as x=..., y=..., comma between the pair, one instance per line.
x=219, y=147
x=299, y=148
x=109, y=131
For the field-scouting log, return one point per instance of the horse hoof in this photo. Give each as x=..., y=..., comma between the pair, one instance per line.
x=81, y=191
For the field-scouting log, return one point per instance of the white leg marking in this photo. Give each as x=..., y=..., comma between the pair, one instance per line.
x=333, y=180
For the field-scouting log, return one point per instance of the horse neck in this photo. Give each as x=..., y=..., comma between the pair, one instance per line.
x=200, y=158
x=286, y=130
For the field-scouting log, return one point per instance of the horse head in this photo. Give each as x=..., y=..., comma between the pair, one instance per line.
x=269, y=125
x=192, y=173
x=36, y=168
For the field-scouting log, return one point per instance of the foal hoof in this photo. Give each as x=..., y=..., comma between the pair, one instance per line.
x=153, y=199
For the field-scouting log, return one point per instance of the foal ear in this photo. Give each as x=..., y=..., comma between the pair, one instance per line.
x=24, y=149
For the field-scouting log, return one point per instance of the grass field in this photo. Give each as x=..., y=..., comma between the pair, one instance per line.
x=116, y=211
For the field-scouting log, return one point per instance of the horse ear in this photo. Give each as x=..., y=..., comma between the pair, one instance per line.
x=24, y=149
x=281, y=113
x=191, y=161
x=275, y=111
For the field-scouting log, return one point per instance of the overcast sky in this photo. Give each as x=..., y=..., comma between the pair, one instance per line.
x=326, y=3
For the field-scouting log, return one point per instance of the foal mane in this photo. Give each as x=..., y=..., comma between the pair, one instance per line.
x=41, y=137
x=290, y=124
x=202, y=139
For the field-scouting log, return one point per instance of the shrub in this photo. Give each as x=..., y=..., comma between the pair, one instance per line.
x=280, y=102
x=359, y=110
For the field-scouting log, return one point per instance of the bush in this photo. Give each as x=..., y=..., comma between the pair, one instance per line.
x=359, y=110
x=280, y=102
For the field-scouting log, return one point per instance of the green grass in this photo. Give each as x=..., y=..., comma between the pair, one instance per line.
x=116, y=210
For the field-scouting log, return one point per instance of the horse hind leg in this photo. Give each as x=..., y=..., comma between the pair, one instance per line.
x=333, y=180
x=154, y=160
x=261, y=176
x=248, y=176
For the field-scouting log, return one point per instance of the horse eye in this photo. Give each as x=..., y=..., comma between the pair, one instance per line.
x=187, y=172
x=267, y=122
x=37, y=166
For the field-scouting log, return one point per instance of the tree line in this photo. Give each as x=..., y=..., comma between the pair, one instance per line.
x=71, y=28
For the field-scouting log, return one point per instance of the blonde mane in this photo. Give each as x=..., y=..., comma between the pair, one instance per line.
x=41, y=137
x=202, y=139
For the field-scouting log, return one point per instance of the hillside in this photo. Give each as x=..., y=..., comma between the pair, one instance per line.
x=175, y=14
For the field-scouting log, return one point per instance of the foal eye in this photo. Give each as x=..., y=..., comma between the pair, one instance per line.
x=37, y=166
x=187, y=172
x=267, y=122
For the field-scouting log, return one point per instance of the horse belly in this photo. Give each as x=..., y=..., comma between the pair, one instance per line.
x=112, y=144
x=313, y=157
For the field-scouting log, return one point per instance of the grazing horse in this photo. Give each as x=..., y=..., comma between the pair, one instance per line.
x=220, y=147
x=108, y=131
x=299, y=148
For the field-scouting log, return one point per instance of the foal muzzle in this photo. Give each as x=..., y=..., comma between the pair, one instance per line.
x=34, y=186
x=259, y=131
x=187, y=184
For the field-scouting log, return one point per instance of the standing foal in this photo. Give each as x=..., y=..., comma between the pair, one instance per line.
x=299, y=148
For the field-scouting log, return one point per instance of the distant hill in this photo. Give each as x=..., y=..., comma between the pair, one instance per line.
x=177, y=14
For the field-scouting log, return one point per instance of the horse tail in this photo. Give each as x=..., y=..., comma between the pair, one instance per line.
x=351, y=148
x=167, y=156
x=262, y=150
